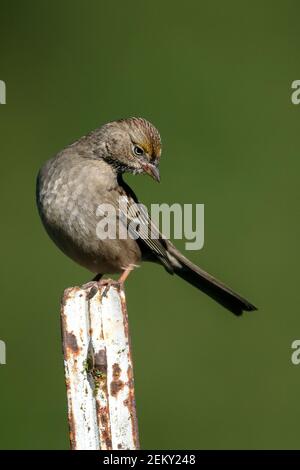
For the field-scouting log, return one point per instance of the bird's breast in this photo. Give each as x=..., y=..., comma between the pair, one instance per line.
x=69, y=195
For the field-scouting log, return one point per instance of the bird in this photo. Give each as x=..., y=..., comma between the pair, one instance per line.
x=89, y=173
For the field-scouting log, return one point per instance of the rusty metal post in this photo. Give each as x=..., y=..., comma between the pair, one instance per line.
x=98, y=368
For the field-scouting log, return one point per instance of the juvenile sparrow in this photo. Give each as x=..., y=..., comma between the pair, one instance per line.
x=89, y=173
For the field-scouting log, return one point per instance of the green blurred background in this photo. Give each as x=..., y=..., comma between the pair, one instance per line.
x=215, y=78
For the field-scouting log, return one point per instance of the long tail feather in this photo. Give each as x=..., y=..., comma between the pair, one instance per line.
x=210, y=285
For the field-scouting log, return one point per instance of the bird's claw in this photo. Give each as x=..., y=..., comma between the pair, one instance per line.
x=106, y=283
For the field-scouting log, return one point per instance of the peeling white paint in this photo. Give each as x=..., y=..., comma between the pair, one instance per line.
x=100, y=389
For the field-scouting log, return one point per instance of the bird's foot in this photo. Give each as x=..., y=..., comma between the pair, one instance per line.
x=93, y=282
x=107, y=283
x=88, y=285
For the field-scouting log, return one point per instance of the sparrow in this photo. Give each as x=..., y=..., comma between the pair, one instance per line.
x=89, y=173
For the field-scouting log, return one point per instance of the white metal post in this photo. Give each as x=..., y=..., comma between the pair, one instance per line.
x=98, y=368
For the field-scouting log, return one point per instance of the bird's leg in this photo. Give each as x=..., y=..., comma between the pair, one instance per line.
x=109, y=282
x=126, y=273
x=97, y=278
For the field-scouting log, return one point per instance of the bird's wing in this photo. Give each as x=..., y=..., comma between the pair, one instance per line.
x=140, y=226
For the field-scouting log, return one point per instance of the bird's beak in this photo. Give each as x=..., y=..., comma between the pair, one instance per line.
x=151, y=170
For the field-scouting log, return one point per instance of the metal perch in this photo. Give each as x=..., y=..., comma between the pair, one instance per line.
x=98, y=368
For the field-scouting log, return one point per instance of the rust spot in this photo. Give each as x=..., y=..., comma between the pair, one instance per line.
x=119, y=446
x=72, y=430
x=68, y=339
x=68, y=384
x=115, y=387
x=92, y=292
x=124, y=311
x=116, y=371
x=104, y=425
x=100, y=361
x=100, y=364
x=130, y=377
x=68, y=293
x=130, y=403
x=71, y=342
x=116, y=384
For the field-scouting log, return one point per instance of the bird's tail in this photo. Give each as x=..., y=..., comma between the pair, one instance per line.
x=211, y=286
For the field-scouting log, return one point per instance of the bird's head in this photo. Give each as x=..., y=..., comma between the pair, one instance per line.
x=131, y=145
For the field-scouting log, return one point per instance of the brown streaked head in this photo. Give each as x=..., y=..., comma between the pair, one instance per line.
x=131, y=145
x=145, y=134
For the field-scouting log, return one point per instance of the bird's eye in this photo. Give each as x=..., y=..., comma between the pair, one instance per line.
x=138, y=151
